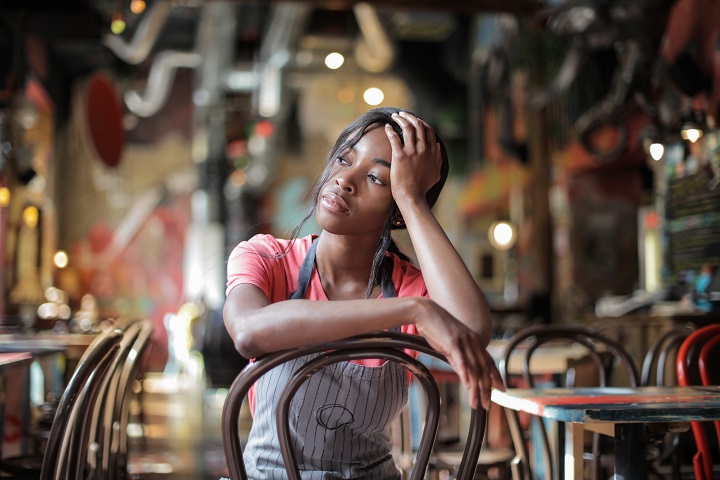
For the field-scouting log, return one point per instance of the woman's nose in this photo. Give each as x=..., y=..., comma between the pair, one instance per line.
x=345, y=183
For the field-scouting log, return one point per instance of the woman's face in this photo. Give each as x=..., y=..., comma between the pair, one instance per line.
x=356, y=198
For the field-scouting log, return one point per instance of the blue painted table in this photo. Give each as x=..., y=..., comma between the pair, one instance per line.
x=621, y=412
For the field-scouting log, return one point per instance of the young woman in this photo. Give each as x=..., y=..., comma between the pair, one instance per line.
x=384, y=172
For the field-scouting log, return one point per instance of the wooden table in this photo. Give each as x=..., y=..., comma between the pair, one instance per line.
x=620, y=412
x=74, y=344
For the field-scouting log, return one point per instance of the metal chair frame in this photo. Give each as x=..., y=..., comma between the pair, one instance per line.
x=692, y=359
x=541, y=335
x=82, y=388
x=384, y=345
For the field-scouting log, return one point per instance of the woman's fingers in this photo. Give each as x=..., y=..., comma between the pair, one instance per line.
x=409, y=131
x=418, y=131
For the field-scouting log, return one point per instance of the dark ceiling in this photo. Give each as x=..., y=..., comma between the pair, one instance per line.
x=72, y=33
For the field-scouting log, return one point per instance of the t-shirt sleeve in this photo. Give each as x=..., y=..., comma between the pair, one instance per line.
x=252, y=262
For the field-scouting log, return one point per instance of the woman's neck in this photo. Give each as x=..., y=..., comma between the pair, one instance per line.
x=344, y=264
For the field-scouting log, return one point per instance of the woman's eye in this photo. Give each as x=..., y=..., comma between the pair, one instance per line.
x=341, y=161
x=375, y=179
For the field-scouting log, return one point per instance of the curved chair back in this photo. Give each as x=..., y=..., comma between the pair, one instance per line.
x=663, y=352
x=384, y=345
x=110, y=413
x=693, y=367
x=81, y=389
x=603, y=351
x=116, y=451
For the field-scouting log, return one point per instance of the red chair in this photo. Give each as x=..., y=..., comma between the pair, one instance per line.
x=693, y=368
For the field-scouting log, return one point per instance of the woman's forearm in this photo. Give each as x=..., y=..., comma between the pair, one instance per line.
x=448, y=280
x=294, y=323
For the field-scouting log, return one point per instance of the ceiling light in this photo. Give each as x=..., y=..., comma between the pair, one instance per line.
x=502, y=235
x=334, y=60
x=373, y=96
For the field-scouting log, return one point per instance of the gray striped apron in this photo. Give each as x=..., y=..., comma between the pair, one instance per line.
x=339, y=419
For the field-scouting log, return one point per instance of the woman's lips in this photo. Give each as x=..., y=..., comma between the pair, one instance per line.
x=334, y=203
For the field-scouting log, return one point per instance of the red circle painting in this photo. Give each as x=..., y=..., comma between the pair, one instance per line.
x=104, y=119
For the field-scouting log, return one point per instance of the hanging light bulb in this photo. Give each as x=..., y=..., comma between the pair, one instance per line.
x=691, y=133
x=656, y=150
x=502, y=235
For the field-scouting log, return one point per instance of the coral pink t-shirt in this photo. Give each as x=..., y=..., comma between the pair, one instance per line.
x=252, y=262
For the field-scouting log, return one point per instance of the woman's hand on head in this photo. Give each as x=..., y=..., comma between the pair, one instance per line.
x=465, y=351
x=416, y=164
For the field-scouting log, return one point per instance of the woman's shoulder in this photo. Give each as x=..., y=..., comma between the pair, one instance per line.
x=267, y=244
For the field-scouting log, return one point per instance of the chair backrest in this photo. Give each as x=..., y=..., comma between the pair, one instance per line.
x=82, y=387
x=662, y=354
x=115, y=459
x=603, y=352
x=389, y=346
x=693, y=368
x=110, y=413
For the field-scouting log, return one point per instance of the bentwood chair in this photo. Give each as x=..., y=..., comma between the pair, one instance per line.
x=80, y=392
x=107, y=439
x=92, y=425
x=658, y=369
x=697, y=362
x=597, y=367
x=384, y=345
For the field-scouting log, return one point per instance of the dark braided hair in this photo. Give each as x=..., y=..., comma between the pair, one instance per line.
x=375, y=118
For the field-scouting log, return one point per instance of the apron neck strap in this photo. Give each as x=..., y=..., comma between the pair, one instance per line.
x=308, y=266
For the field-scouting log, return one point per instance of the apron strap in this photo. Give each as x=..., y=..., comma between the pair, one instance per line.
x=306, y=271
x=308, y=266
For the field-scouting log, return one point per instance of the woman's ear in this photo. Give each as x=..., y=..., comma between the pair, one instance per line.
x=398, y=220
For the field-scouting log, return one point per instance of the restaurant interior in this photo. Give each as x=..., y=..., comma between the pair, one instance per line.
x=142, y=140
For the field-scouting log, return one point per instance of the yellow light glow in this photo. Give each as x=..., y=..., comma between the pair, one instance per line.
x=502, y=235
x=30, y=216
x=346, y=95
x=334, y=60
x=373, y=96
x=60, y=259
x=117, y=26
x=137, y=6
x=4, y=196
x=691, y=134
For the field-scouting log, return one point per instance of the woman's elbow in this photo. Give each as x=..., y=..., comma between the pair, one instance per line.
x=246, y=344
x=244, y=337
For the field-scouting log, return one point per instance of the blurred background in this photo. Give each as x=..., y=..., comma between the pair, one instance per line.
x=141, y=140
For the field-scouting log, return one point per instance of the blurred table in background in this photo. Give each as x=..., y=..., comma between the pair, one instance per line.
x=74, y=344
